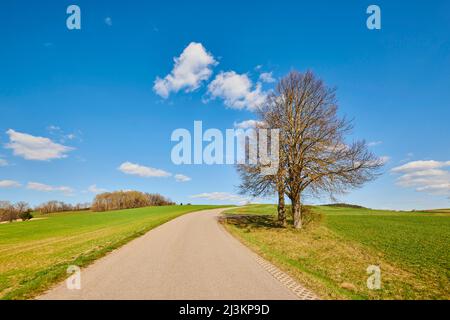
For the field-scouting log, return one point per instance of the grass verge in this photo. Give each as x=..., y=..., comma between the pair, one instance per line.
x=332, y=253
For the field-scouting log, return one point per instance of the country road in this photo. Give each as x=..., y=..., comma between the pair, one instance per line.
x=190, y=257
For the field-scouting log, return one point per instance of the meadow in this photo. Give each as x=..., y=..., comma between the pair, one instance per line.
x=35, y=254
x=332, y=253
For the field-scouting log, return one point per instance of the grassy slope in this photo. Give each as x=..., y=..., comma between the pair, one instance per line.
x=332, y=253
x=35, y=254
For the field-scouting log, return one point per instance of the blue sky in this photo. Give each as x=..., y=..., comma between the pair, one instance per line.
x=91, y=92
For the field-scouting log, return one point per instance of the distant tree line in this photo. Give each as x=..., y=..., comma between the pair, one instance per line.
x=127, y=200
x=103, y=202
x=11, y=212
x=22, y=210
x=344, y=205
x=59, y=206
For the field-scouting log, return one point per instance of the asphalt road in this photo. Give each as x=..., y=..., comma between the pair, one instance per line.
x=190, y=257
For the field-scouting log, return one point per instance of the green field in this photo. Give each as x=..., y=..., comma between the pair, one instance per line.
x=35, y=254
x=332, y=253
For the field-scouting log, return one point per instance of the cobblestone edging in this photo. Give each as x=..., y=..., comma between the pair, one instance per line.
x=299, y=290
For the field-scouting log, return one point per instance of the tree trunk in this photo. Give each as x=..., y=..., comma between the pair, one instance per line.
x=297, y=212
x=281, y=209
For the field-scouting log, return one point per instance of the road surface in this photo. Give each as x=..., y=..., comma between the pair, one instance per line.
x=190, y=257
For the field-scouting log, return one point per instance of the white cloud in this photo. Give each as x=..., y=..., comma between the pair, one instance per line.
x=53, y=128
x=223, y=197
x=421, y=165
x=191, y=68
x=60, y=135
x=182, y=178
x=94, y=189
x=425, y=176
x=266, y=77
x=9, y=184
x=374, y=143
x=3, y=163
x=35, y=148
x=248, y=124
x=237, y=90
x=142, y=171
x=384, y=159
x=47, y=188
x=108, y=21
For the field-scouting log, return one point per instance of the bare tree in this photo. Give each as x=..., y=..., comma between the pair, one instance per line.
x=257, y=184
x=316, y=157
x=7, y=211
x=156, y=199
x=22, y=207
